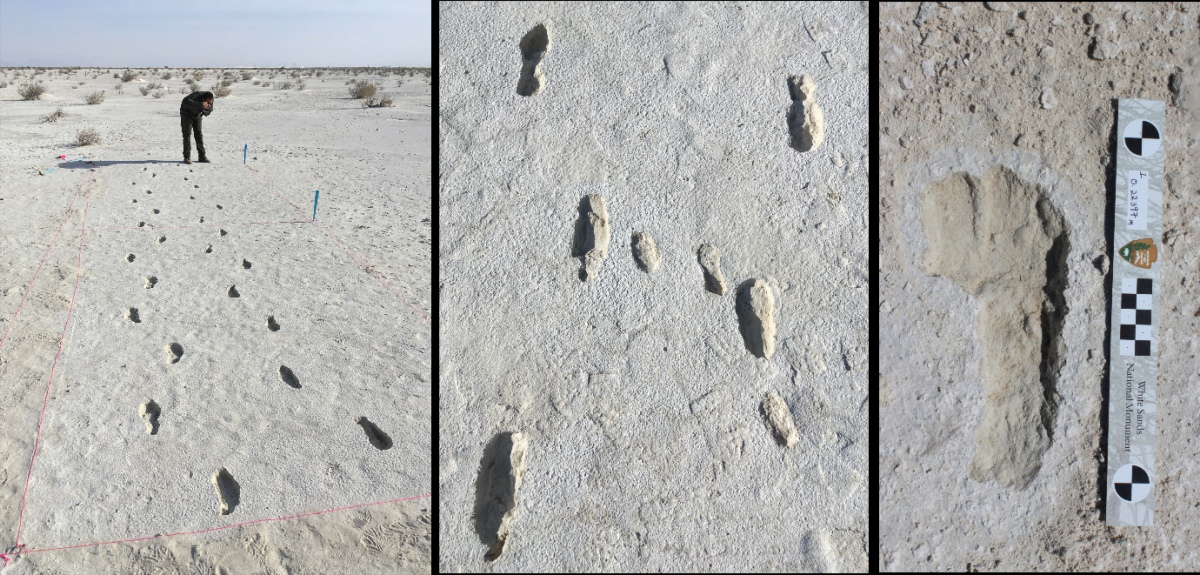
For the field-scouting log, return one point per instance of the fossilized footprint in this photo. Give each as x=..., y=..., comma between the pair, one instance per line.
x=1002, y=241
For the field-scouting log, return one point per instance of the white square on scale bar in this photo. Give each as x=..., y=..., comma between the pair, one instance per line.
x=1145, y=301
x=1128, y=285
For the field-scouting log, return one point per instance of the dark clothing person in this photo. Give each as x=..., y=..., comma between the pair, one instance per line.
x=191, y=111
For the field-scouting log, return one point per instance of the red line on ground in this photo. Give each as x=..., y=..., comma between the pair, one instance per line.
x=348, y=507
x=29, y=288
x=366, y=267
x=46, y=399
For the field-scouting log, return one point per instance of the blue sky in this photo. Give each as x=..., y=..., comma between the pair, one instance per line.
x=215, y=33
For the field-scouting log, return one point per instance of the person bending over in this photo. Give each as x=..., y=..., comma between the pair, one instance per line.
x=193, y=109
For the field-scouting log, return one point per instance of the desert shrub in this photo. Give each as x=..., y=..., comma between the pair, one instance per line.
x=95, y=97
x=247, y=75
x=192, y=89
x=167, y=76
x=363, y=89
x=31, y=91
x=81, y=82
x=120, y=88
x=399, y=83
x=115, y=75
x=55, y=116
x=383, y=101
x=221, y=90
x=226, y=83
x=283, y=86
x=129, y=76
x=198, y=76
x=272, y=76
x=300, y=85
x=145, y=90
x=3, y=84
x=257, y=82
x=320, y=73
x=87, y=137
x=158, y=93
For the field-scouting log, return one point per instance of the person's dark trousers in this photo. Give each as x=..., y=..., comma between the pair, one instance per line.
x=189, y=125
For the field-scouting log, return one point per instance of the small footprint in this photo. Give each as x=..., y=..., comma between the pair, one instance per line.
x=134, y=201
x=375, y=435
x=271, y=325
x=233, y=292
x=208, y=250
x=223, y=233
x=218, y=205
x=149, y=412
x=174, y=352
x=288, y=377
x=805, y=119
x=141, y=224
x=533, y=48
x=150, y=281
x=245, y=264
x=202, y=219
x=156, y=210
x=197, y=186
x=130, y=258
x=162, y=239
x=131, y=314
x=710, y=261
x=228, y=491
x=148, y=192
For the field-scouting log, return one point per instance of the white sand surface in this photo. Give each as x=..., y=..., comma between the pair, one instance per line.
x=349, y=295
x=638, y=397
x=962, y=90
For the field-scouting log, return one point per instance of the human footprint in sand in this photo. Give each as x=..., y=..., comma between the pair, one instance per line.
x=193, y=109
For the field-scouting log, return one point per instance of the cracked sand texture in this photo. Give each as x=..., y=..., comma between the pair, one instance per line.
x=963, y=92
x=640, y=402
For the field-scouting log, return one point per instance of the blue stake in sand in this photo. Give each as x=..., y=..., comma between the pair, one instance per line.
x=245, y=148
x=316, y=196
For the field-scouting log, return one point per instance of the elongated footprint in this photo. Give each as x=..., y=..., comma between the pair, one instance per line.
x=149, y=411
x=228, y=491
x=375, y=435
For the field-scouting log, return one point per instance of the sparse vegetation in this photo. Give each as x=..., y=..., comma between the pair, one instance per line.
x=115, y=75
x=257, y=82
x=383, y=101
x=120, y=88
x=226, y=83
x=190, y=82
x=55, y=116
x=299, y=85
x=221, y=90
x=167, y=76
x=198, y=76
x=283, y=85
x=95, y=97
x=87, y=137
x=145, y=90
x=399, y=83
x=158, y=93
x=363, y=89
x=129, y=76
x=3, y=84
x=31, y=91
x=247, y=75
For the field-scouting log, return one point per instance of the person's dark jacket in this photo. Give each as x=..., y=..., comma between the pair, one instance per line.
x=193, y=104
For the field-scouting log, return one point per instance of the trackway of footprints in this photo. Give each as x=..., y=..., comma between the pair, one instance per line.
x=504, y=460
x=503, y=463
x=227, y=488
